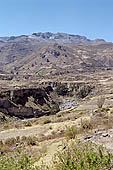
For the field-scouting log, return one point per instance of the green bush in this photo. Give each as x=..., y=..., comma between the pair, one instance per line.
x=83, y=156
x=76, y=156
x=71, y=132
x=19, y=161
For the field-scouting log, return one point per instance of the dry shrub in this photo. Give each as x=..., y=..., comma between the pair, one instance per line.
x=47, y=121
x=18, y=139
x=84, y=91
x=5, y=149
x=28, y=123
x=1, y=143
x=108, y=122
x=86, y=125
x=71, y=132
x=23, y=138
x=31, y=140
x=10, y=141
x=100, y=102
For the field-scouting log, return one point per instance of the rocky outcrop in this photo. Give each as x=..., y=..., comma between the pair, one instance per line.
x=80, y=89
x=27, y=103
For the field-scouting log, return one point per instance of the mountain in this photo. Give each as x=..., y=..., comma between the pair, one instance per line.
x=49, y=53
x=50, y=37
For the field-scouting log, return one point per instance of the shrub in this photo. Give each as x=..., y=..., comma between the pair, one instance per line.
x=28, y=123
x=5, y=149
x=1, y=143
x=47, y=121
x=100, y=102
x=18, y=139
x=84, y=90
x=62, y=89
x=71, y=132
x=86, y=125
x=31, y=140
x=17, y=161
x=59, y=115
x=55, y=109
x=23, y=138
x=83, y=156
x=10, y=141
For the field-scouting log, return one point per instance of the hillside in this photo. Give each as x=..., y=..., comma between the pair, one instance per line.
x=48, y=53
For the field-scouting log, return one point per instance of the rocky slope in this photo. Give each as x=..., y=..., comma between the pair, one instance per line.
x=48, y=53
x=28, y=103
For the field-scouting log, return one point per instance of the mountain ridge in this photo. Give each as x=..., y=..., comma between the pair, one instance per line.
x=54, y=54
x=52, y=37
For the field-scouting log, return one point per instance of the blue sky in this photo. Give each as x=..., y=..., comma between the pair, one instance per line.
x=92, y=18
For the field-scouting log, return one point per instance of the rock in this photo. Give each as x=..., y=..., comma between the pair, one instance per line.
x=88, y=137
x=98, y=133
x=1, y=152
x=105, y=135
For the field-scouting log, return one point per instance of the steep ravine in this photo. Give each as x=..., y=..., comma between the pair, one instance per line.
x=27, y=103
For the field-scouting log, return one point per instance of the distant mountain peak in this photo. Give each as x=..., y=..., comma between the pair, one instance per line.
x=65, y=38
x=62, y=38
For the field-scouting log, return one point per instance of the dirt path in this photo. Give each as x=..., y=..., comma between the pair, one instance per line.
x=22, y=132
